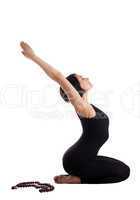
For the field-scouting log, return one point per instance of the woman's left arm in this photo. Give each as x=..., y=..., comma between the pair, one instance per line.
x=28, y=52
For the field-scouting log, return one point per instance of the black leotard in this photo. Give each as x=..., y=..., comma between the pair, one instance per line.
x=81, y=158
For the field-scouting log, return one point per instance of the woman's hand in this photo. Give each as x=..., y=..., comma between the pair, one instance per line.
x=27, y=51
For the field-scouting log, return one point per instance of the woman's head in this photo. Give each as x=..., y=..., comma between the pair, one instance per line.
x=81, y=84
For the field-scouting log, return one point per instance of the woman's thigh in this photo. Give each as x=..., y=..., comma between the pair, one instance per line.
x=103, y=168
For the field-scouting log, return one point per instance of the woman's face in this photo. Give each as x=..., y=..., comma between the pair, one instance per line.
x=84, y=82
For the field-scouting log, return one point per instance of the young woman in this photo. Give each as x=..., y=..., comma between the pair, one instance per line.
x=81, y=161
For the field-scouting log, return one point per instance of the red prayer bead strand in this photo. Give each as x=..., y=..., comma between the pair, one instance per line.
x=43, y=187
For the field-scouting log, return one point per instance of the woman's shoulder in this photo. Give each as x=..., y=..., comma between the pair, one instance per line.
x=99, y=114
x=91, y=116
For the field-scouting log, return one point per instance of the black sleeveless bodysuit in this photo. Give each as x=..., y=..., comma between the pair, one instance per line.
x=82, y=158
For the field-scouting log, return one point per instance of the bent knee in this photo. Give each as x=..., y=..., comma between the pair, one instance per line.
x=124, y=172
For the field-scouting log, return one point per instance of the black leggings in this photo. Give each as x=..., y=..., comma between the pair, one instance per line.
x=81, y=158
x=101, y=170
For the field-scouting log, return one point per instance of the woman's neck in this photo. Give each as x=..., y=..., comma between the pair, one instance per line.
x=85, y=96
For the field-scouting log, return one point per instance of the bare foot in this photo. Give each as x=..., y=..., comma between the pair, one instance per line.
x=67, y=179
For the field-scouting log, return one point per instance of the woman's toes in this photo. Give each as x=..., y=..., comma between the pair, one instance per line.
x=66, y=179
x=55, y=178
x=59, y=179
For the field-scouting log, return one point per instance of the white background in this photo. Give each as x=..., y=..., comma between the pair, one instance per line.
x=98, y=39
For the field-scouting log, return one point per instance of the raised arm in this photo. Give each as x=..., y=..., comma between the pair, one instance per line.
x=81, y=106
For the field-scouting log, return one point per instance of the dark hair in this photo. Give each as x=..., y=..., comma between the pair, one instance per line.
x=75, y=83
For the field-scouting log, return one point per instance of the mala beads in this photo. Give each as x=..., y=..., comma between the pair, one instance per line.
x=43, y=187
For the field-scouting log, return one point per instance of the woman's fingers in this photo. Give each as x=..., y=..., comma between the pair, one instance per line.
x=24, y=53
x=24, y=45
x=27, y=50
